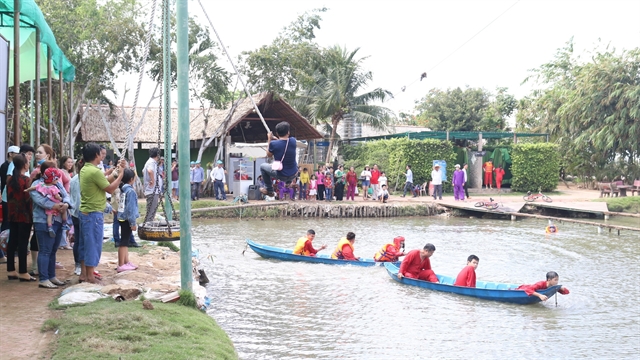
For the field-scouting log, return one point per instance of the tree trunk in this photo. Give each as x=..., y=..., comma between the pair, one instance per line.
x=332, y=139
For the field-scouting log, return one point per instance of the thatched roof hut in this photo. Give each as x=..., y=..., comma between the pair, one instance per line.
x=243, y=126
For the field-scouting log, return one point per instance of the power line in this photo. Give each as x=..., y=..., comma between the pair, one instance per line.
x=460, y=47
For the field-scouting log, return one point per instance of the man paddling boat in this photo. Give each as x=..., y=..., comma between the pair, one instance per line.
x=416, y=265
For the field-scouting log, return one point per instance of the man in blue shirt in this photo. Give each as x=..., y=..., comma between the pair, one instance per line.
x=197, y=176
x=283, y=150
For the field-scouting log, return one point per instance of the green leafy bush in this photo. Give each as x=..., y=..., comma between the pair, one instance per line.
x=535, y=166
x=393, y=155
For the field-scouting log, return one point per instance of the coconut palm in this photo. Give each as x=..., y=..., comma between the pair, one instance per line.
x=336, y=93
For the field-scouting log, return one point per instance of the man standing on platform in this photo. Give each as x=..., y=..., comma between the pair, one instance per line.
x=488, y=173
x=375, y=185
x=151, y=178
x=217, y=175
x=408, y=185
x=436, y=181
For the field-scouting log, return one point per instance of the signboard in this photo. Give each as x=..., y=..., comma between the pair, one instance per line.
x=322, y=144
x=479, y=153
x=443, y=168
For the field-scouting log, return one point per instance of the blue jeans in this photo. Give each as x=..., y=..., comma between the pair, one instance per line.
x=328, y=194
x=48, y=247
x=303, y=191
x=195, y=190
x=269, y=174
x=218, y=190
x=116, y=233
x=92, y=228
x=77, y=235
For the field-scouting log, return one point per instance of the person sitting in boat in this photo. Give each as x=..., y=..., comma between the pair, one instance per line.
x=391, y=252
x=416, y=265
x=344, y=250
x=467, y=276
x=552, y=280
x=304, y=245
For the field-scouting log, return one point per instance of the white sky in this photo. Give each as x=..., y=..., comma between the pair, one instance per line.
x=406, y=38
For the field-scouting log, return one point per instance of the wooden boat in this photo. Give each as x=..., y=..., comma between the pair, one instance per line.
x=271, y=252
x=483, y=290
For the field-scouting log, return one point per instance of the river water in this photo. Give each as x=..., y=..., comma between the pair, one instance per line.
x=285, y=310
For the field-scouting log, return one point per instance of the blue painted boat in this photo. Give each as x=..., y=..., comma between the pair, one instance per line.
x=272, y=252
x=483, y=290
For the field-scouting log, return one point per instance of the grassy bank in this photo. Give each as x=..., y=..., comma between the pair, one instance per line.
x=106, y=329
x=627, y=204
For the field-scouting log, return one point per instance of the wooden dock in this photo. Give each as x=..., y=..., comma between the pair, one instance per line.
x=513, y=211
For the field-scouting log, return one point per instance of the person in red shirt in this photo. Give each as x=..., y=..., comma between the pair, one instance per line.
x=416, y=264
x=552, y=280
x=375, y=185
x=304, y=245
x=467, y=276
x=344, y=250
x=391, y=252
x=499, y=175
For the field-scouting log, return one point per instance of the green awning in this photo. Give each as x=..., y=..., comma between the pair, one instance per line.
x=31, y=17
x=453, y=135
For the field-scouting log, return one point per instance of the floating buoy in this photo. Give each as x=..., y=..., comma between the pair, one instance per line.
x=159, y=231
x=550, y=229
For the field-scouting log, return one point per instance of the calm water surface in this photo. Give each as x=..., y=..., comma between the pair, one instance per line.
x=284, y=310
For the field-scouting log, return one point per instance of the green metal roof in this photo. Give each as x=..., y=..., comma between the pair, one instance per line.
x=442, y=135
x=31, y=17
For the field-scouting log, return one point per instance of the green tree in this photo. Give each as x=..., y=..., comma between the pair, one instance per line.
x=471, y=109
x=337, y=92
x=102, y=39
x=288, y=64
x=591, y=109
x=208, y=82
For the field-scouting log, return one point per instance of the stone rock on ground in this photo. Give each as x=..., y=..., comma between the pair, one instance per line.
x=128, y=292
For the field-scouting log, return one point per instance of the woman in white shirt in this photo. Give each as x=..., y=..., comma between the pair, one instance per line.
x=365, y=176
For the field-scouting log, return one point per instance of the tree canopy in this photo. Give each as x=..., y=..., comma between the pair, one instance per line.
x=471, y=109
x=591, y=109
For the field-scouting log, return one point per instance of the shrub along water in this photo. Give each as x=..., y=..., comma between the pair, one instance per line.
x=393, y=155
x=535, y=166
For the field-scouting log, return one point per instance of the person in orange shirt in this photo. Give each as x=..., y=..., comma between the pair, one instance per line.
x=499, y=175
x=488, y=172
x=467, y=276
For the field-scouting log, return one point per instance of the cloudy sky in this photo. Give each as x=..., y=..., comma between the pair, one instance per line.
x=458, y=43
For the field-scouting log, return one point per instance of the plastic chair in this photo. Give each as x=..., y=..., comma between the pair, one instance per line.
x=423, y=189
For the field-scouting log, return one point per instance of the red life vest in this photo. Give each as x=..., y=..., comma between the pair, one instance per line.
x=383, y=256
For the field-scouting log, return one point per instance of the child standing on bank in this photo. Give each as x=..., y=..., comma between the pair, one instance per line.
x=127, y=215
x=313, y=187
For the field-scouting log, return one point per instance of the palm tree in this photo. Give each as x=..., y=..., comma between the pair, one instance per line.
x=335, y=94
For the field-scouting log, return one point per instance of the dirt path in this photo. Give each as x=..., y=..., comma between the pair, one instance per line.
x=23, y=311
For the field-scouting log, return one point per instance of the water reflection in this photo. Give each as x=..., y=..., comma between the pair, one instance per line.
x=282, y=310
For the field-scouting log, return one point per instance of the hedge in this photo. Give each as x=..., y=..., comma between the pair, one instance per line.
x=535, y=166
x=393, y=155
